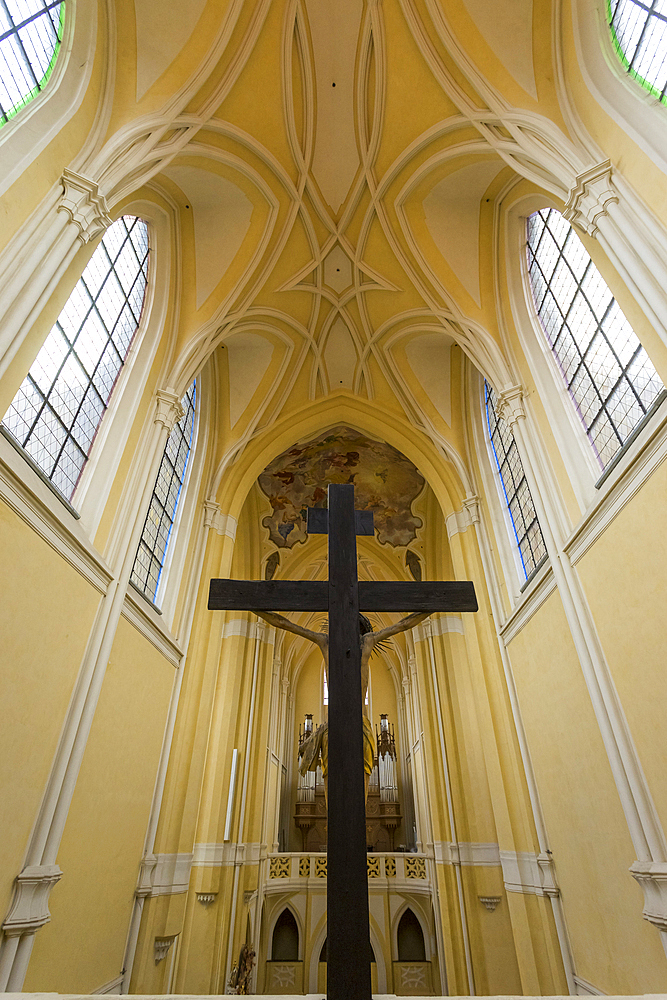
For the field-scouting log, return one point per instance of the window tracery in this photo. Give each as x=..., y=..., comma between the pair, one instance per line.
x=59, y=407
x=30, y=35
x=151, y=554
x=639, y=33
x=517, y=495
x=607, y=372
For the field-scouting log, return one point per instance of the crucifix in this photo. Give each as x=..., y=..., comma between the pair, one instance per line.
x=343, y=597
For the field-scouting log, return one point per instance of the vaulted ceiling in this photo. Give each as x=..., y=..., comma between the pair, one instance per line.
x=335, y=169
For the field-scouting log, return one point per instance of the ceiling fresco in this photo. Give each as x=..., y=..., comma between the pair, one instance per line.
x=385, y=482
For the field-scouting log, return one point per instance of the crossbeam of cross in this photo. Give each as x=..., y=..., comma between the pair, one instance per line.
x=343, y=596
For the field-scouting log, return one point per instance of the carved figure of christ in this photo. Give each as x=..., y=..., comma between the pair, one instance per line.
x=368, y=641
x=342, y=596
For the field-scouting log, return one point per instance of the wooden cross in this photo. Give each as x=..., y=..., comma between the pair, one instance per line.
x=343, y=596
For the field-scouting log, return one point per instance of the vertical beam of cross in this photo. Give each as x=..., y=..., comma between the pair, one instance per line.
x=348, y=940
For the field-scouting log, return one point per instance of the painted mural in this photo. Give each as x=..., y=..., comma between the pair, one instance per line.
x=385, y=482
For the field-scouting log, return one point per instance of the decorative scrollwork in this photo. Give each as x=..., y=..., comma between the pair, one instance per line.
x=390, y=867
x=373, y=867
x=415, y=868
x=279, y=867
x=304, y=867
x=320, y=867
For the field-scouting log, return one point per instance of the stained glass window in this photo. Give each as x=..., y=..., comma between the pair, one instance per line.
x=57, y=411
x=30, y=35
x=152, y=551
x=639, y=32
x=608, y=373
x=527, y=531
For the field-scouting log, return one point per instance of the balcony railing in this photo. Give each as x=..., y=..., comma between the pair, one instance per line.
x=397, y=866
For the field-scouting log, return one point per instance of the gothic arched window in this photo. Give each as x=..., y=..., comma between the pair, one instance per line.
x=516, y=492
x=30, y=37
x=609, y=375
x=639, y=33
x=59, y=407
x=152, y=552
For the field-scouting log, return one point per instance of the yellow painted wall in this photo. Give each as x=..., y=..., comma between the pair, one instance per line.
x=630, y=619
x=589, y=836
x=82, y=948
x=46, y=612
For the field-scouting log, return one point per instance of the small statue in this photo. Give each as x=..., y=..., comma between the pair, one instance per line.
x=239, y=980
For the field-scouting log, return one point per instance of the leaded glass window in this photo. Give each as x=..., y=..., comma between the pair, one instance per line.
x=518, y=498
x=608, y=373
x=30, y=35
x=152, y=551
x=639, y=32
x=57, y=411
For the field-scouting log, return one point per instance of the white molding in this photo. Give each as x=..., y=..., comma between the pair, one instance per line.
x=521, y=872
x=586, y=989
x=540, y=588
x=468, y=855
x=445, y=625
x=224, y=524
x=249, y=630
x=652, y=877
x=23, y=490
x=206, y=898
x=110, y=987
x=29, y=908
x=589, y=197
x=169, y=409
x=509, y=404
x=461, y=520
x=164, y=875
x=86, y=207
x=490, y=902
x=146, y=620
x=161, y=946
x=529, y=873
x=645, y=454
x=227, y=854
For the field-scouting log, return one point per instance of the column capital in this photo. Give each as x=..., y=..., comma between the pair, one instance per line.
x=146, y=874
x=169, y=409
x=211, y=509
x=29, y=909
x=652, y=877
x=471, y=505
x=545, y=863
x=590, y=195
x=86, y=207
x=224, y=524
x=509, y=405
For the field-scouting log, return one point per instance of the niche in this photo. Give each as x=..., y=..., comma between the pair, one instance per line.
x=285, y=944
x=411, y=946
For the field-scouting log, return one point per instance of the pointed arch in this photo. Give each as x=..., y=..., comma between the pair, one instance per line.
x=413, y=908
x=285, y=938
